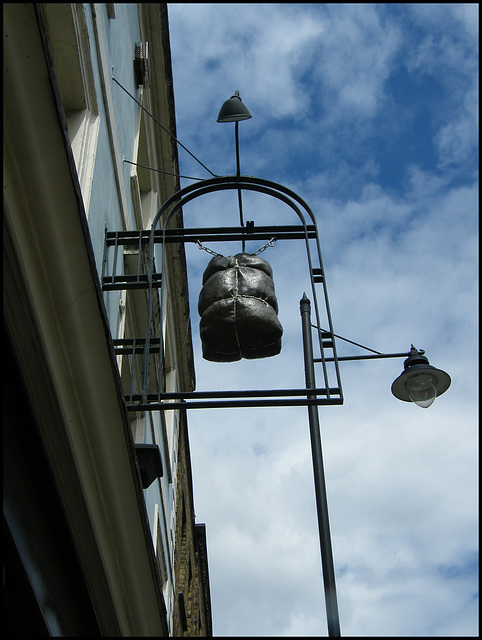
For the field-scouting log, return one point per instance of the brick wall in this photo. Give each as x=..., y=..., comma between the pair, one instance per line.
x=192, y=604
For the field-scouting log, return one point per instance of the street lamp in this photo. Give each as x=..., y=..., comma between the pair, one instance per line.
x=420, y=382
x=233, y=110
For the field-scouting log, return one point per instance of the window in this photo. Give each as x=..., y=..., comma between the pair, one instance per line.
x=161, y=560
x=70, y=46
x=159, y=548
x=143, y=194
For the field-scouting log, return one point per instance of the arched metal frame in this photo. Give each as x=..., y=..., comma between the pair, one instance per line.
x=253, y=398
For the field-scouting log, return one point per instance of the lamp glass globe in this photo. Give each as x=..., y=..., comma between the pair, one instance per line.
x=422, y=390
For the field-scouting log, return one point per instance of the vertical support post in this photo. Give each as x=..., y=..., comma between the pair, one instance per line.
x=319, y=477
x=238, y=173
x=147, y=343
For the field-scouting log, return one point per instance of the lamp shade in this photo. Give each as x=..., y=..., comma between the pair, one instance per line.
x=233, y=110
x=150, y=463
x=420, y=382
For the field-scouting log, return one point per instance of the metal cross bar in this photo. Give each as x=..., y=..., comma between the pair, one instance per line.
x=229, y=404
x=213, y=234
x=366, y=357
x=137, y=281
x=242, y=393
x=234, y=399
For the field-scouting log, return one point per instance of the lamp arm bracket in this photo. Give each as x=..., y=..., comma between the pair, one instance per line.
x=365, y=357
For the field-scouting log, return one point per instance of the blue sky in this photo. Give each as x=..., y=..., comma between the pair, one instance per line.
x=370, y=113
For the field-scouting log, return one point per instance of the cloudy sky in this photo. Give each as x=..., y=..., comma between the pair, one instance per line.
x=369, y=113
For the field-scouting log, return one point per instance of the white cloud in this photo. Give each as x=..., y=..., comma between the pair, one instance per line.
x=457, y=140
x=345, y=49
x=355, y=60
x=459, y=19
x=249, y=47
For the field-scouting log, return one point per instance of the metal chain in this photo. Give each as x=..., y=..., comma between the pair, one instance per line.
x=270, y=243
x=207, y=249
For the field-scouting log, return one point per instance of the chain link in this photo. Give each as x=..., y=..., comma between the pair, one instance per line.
x=270, y=243
x=207, y=249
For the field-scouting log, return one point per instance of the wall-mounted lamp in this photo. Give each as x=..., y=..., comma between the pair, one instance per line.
x=233, y=110
x=150, y=463
x=420, y=382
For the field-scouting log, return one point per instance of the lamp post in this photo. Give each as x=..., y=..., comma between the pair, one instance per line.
x=233, y=110
x=319, y=478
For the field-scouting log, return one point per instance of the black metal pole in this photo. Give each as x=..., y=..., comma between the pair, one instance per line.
x=319, y=477
x=238, y=173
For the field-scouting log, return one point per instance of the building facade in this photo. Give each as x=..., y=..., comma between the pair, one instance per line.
x=99, y=519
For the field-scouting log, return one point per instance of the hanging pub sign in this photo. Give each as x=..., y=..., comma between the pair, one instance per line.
x=238, y=309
